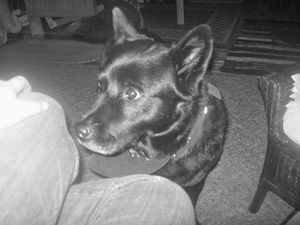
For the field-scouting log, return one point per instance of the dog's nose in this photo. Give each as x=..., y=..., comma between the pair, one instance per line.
x=82, y=130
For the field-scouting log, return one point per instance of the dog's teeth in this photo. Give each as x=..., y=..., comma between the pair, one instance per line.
x=188, y=139
x=144, y=155
x=138, y=154
x=133, y=153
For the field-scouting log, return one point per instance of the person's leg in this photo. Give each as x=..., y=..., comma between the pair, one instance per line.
x=130, y=200
x=37, y=165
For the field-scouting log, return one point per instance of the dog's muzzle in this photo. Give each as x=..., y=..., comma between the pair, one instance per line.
x=88, y=136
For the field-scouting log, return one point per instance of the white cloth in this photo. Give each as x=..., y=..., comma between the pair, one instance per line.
x=291, y=118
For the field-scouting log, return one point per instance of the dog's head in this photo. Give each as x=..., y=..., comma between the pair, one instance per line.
x=146, y=91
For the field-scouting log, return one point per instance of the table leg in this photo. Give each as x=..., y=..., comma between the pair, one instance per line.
x=180, y=12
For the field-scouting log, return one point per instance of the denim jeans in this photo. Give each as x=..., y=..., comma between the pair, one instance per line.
x=39, y=162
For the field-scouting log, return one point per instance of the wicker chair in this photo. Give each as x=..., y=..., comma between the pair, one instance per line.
x=281, y=171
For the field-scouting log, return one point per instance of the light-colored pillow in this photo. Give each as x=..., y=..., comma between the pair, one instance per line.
x=291, y=118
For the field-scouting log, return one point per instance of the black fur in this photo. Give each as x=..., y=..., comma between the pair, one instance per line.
x=154, y=100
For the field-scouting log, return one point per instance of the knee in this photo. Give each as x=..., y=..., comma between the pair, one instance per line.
x=170, y=191
x=164, y=185
x=169, y=202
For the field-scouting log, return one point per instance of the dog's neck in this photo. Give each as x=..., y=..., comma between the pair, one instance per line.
x=194, y=130
x=193, y=135
x=186, y=130
x=185, y=134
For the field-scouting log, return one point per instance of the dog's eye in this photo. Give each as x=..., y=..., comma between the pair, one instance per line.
x=101, y=85
x=132, y=94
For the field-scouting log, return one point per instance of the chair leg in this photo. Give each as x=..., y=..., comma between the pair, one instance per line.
x=36, y=27
x=259, y=197
x=290, y=217
x=180, y=12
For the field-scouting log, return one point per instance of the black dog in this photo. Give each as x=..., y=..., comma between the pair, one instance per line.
x=154, y=101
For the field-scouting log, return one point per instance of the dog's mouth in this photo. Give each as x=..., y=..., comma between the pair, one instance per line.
x=109, y=149
x=136, y=153
x=109, y=145
x=104, y=147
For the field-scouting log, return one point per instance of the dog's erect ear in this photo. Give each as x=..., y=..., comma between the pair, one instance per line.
x=192, y=55
x=123, y=28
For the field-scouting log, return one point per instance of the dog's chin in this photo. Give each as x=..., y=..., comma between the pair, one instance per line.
x=100, y=148
x=111, y=150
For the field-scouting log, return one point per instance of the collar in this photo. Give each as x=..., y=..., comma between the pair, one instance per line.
x=214, y=91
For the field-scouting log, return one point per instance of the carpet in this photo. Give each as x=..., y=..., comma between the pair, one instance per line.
x=263, y=47
x=222, y=19
x=54, y=51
